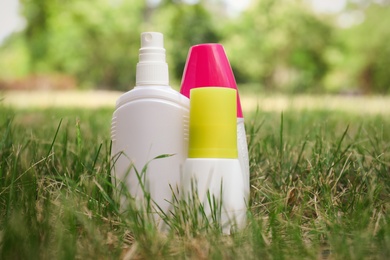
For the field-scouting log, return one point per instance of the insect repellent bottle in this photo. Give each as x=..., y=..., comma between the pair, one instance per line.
x=208, y=65
x=212, y=171
x=150, y=132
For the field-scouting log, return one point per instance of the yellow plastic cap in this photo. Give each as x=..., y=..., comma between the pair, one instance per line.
x=213, y=123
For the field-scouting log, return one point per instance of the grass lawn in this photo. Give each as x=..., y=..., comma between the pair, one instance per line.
x=320, y=189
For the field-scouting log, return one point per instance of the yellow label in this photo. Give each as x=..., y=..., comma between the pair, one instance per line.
x=213, y=123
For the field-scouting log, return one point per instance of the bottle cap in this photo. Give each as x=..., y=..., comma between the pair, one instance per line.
x=152, y=68
x=213, y=123
x=208, y=65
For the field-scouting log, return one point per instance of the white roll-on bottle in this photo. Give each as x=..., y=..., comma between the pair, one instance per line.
x=208, y=65
x=150, y=132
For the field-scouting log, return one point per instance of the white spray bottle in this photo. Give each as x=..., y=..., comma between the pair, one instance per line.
x=150, y=121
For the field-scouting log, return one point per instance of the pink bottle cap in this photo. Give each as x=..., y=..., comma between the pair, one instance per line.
x=208, y=66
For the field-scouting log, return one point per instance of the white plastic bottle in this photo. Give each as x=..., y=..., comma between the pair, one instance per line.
x=150, y=121
x=208, y=65
x=213, y=172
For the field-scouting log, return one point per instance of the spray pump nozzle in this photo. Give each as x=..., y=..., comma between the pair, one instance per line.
x=152, y=68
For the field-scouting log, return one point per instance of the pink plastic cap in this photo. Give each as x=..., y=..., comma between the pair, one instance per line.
x=208, y=66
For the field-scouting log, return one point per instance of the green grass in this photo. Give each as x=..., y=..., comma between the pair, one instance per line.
x=320, y=185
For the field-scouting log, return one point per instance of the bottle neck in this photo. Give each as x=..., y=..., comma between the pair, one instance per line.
x=152, y=73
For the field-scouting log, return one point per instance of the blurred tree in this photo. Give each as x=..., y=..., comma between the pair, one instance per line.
x=281, y=44
x=92, y=42
x=278, y=44
x=368, y=49
x=97, y=45
x=14, y=58
x=37, y=14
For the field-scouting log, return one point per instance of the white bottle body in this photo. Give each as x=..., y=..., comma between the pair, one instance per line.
x=209, y=175
x=243, y=157
x=150, y=121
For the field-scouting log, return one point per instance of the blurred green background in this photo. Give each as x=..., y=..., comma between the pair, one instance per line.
x=284, y=46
